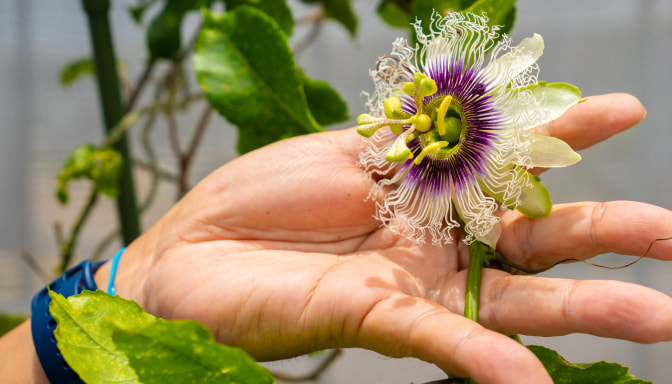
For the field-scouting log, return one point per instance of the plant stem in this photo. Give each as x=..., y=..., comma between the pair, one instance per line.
x=112, y=108
x=67, y=249
x=479, y=254
x=477, y=258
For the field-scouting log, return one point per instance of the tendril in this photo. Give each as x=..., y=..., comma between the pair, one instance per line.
x=500, y=259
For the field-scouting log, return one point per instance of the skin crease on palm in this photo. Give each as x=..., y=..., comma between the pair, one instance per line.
x=278, y=253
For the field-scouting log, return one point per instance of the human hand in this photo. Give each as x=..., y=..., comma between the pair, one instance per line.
x=278, y=253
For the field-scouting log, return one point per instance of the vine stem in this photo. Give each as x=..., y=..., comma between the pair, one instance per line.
x=477, y=258
x=67, y=249
x=112, y=109
x=479, y=255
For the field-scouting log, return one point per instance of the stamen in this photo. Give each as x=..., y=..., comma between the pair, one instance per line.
x=434, y=146
x=399, y=150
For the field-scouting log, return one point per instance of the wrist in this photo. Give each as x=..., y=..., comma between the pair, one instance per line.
x=129, y=281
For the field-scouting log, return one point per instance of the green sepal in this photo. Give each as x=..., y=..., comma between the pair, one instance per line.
x=534, y=199
x=557, y=97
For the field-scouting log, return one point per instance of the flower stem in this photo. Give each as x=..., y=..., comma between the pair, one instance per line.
x=478, y=256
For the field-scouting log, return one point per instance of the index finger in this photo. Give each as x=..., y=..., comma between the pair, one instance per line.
x=596, y=119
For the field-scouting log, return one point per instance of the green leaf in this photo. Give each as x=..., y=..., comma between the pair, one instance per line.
x=164, y=35
x=9, y=322
x=564, y=372
x=325, y=104
x=276, y=9
x=247, y=71
x=84, y=334
x=424, y=9
x=341, y=11
x=499, y=12
x=75, y=69
x=106, y=171
x=185, y=352
x=137, y=10
x=393, y=13
x=102, y=166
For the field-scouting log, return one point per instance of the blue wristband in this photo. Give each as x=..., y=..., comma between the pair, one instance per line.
x=113, y=271
x=72, y=282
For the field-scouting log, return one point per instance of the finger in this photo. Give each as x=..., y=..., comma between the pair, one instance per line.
x=596, y=119
x=426, y=330
x=550, y=307
x=583, y=230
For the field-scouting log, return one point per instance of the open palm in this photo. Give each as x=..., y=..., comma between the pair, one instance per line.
x=278, y=253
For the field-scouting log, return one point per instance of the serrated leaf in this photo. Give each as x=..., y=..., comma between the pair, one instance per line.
x=9, y=322
x=84, y=334
x=325, y=104
x=276, y=9
x=564, y=372
x=185, y=352
x=247, y=71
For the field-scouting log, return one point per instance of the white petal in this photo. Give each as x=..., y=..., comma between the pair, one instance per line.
x=548, y=152
x=538, y=104
x=505, y=68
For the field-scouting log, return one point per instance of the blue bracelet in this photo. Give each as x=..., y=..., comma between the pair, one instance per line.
x=113, y=271
x=72, y=282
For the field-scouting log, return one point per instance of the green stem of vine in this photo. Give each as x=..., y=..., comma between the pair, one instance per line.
x=68, y=248
x=479, y=254
x=112, y=108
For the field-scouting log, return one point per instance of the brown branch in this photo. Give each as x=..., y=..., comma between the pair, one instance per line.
x=139, y=85
x=35, y=266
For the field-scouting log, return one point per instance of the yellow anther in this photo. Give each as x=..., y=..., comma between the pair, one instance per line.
x=432, y=147
x=426, y=87
x=399, y=151
x=367, y=130
x=441, y=114
x=423, y=123
x=392, y=107
x=408, y=88
x=365, y=118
